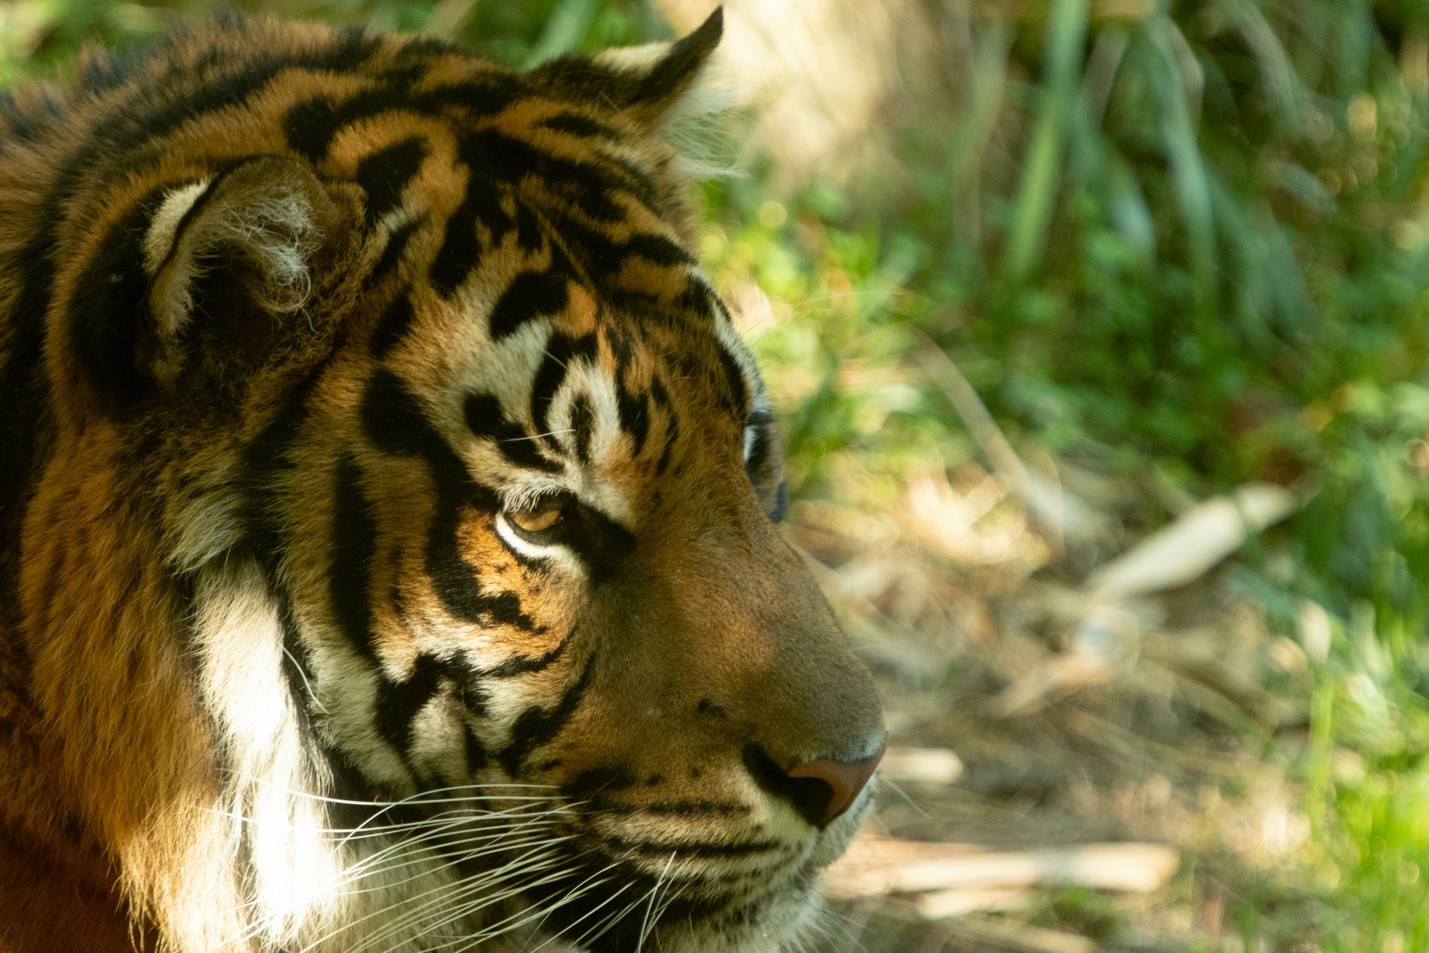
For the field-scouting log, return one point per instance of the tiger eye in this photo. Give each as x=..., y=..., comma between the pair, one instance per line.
x=536, y=519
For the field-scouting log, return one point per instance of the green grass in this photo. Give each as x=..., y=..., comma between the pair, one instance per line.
x=1187, y=246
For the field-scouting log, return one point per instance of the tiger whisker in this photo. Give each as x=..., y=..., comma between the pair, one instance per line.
x=413, y=851
x=518, y=920
x=645, y=922
x=417, y=907
x=537, y=436
x=498, y=847
x=488, y=899
x=311, y=695
x=600, y=925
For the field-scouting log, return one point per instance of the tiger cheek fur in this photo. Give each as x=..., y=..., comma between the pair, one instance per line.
x=389, y=555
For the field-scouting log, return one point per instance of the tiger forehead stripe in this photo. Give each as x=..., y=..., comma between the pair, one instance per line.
x=385, y=174
x=313, y=124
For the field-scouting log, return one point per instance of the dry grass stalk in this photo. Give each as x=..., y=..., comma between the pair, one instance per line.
x=880, y=865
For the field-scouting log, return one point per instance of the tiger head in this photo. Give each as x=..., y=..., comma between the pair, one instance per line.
x=406, y=504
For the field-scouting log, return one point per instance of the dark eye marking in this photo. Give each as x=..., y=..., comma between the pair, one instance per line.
x=561, y=519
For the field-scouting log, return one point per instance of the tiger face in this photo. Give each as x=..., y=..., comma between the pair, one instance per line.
x=405, y=500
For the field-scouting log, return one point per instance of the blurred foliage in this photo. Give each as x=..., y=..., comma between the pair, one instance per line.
x=1176, y=242
x=35, y=34
x=1188, y=244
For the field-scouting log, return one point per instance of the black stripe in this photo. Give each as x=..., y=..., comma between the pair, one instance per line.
x=131, y=127
x=530, y=295
x=692, y=808
x=263, y=459
x=419, y=48
x=311, y=125
x=634, y=410
x=660, y=394
x=460, y=252
x=598, y=252
x=535, y=726
x=594, y=783
x=699, y=292
x=635, y=181
x=265, y=463
x=620, y=846
x=589, y=185
x=457, y=582
x=396, y=424
x=354, y=550
x=659, y=249
x=485, y=418
x=102, y=70
x=477, y=757
x=671, y=441
x=665, y=408
x=392, y=252
x=531, y=234
x=297, y=668
x=583, y=426
x=582, y=126
x=485, y=95
x=398, y=703
x=736, y=392
x=603, y=256
x=525, y=665
x=107, y=309
x=385, y=174
x=347, y=783
x=561, y=350
x=24, y=431
x=30, y=122
x=393, y=326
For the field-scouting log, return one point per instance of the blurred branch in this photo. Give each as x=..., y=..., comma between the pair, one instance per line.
x=1062, y=517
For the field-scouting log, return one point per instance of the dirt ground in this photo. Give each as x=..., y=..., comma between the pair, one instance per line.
x=1067, y=771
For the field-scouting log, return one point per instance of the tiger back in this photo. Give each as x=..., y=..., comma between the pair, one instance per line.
x=388, y=508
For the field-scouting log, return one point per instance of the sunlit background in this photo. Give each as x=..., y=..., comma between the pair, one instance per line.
x=1101, y=334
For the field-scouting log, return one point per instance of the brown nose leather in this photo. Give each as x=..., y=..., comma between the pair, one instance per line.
x=844, y=781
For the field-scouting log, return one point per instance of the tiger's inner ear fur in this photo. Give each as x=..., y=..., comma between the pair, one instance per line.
x=649, y=84
x=228, y=255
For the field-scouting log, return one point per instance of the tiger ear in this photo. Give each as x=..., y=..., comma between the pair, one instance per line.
x=227, y=255
x=195, y=280
x=262, y=219
x=647, y=83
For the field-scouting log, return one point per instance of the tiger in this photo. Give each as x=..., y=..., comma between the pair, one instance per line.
x=390, y=509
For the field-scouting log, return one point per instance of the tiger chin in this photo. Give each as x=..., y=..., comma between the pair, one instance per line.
x=390, y=558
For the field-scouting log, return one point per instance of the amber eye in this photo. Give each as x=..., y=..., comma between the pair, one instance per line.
x=537, y=518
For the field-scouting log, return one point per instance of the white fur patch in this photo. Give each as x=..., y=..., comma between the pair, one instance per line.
x=159, y=240
x=271, y=792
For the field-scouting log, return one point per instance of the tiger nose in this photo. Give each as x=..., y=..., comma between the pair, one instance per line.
x=825, y=789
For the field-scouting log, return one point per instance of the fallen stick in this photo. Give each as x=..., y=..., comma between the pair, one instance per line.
x=879, y=865
x=1016, y=936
